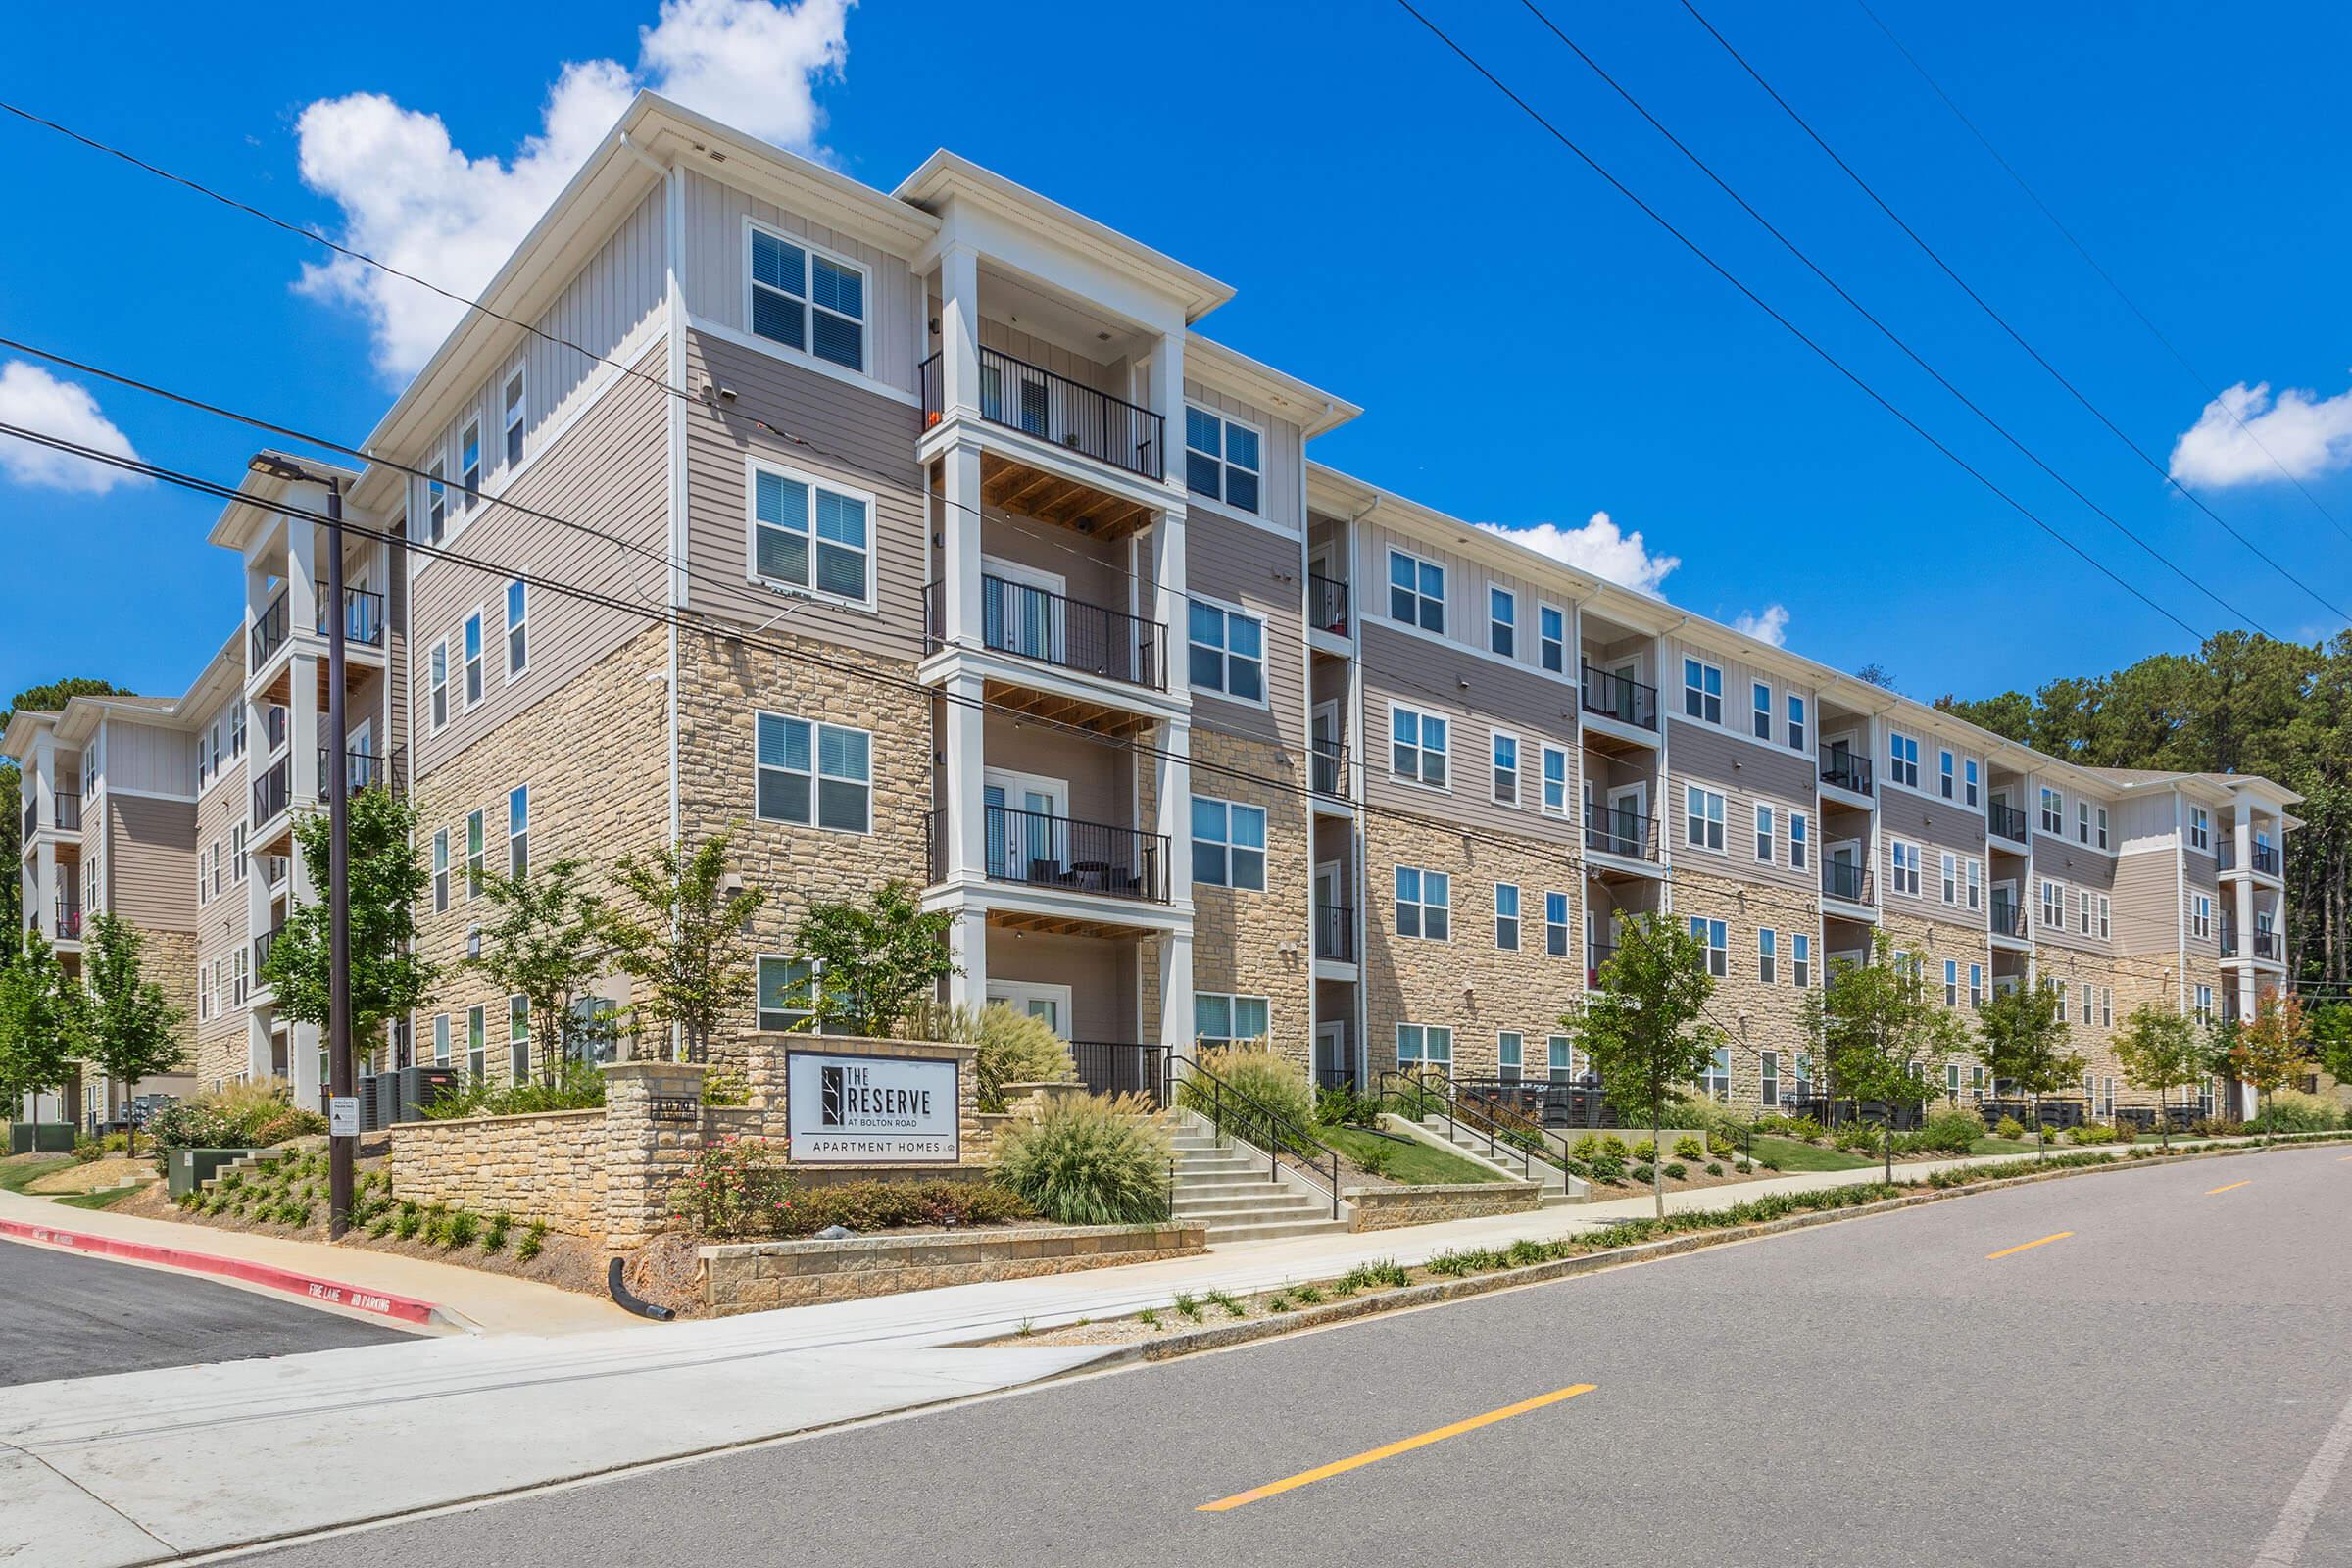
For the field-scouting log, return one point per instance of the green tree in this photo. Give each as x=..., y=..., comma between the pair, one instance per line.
x=2268, y=1050
x=2332, y=1037
x=2022, y=1039
x=1645, y=1029
x=39, y=1018
x=128, y=1028
x=687, y=947
x=874, y=961
x=46, y=698
x=1882, y=1035
x=2161, y=1050
x=389, y=978
x=543, y=942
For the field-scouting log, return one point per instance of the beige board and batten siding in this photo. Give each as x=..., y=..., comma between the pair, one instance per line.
x=608, y=474
x=1476, y=697
x=1746, y=774
x=1281, y=452
x=2146, y=921
x=715, y=276
x=144, y=759
x=874, y=439
x=1234, y=564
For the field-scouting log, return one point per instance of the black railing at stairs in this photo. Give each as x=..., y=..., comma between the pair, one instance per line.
x=1428, y=1092
x=1250, y=1119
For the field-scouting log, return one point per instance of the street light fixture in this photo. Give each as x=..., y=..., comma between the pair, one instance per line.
x=341, y=1147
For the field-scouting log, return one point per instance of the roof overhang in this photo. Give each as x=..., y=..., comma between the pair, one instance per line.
x=1310, y=408
x=24, y=731
x=251, y=515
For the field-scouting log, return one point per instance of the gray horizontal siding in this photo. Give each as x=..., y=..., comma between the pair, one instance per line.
x=1238, y=564
x=1747, y=775
x=1476, y=696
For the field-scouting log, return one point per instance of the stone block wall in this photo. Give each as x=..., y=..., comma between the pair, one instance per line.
x=1758, y=1015
x=754, y=1276
x=547, y=1167
x=1386, y=1208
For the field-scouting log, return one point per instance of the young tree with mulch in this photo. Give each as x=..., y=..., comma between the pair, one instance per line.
x=543, y=942
x=2161, y=1050
x=1643, y=1026
x=686, y=945
x=2021, y=1040
x=1882, y=1033
x=128, y=1028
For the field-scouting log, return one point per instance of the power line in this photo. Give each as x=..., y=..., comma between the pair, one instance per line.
x=1789, y=325
x=2162, y=471
x=2204, y=384
x=1882, y=328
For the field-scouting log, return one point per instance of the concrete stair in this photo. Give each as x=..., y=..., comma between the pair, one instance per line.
x=1557, y=1185
x=1223, y=1186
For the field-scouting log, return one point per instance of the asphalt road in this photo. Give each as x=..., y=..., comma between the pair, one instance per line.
x=2150, y=1390
x=64, y=1316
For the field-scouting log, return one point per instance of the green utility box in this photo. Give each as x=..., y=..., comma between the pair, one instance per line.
x=187, y=1170
x=40, y=1138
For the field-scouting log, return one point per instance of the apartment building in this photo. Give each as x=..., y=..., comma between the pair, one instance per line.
x=924, y=537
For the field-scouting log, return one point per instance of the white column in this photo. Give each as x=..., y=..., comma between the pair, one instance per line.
x=1167, y=393
x=1176, y=992
x=958, y=331
x=304, y=580
x=305, y=733
x=2242, y=901
x=302, y=1063
x=968, y=944
x=959, y=534
x=966, y=761
x=256, y=1046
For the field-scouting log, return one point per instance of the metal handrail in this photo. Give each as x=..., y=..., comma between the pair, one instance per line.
x=2008, y=916
x=273, y=790
x=1621, y=698
x=2004, y=822
x=1845, y=770
x=1846, y=880
x=1522, y=1131
x=1335, y=932
x=1118, y=1068
x=66, y=806
x=1327, y=767
x=1326, y=603
x=1628, y=835
x=1596, y=953
x=1276, y=1133
x=69, y=921
x=269, y=630
x=362, y=616
x=1035, y=401
x=1033, y=623
x=1037, y=850
x=1430, y=1092
x=363, y=770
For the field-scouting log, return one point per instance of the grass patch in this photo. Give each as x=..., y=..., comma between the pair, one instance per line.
x=1410, y=1161
x=20, y=1171
x=1792, y=1155
x=2005, y=1145
x=104, y=1200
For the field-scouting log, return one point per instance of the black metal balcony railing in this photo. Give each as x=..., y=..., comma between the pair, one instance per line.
x=1017, y=618
x=1843, y=879
x=273, y=790
x=2266, y=943
x=32, y=818
x=1118, y=1067
x=363, y=770
x=2265, y=858
x=1327, y=767
x=1036, y=850
x=2008, y=917
x=1631, y=834
x=261, y=950
x=362, y=616
x=1845, y=770
x=1335, y=932
x=269, y=630
x=1620, y=697
x=1033, y=400
x=1596, y=953
x=69, y=921
x=2004, y=822
x=1326, y=603
x=67, y=810
x=2228, y=943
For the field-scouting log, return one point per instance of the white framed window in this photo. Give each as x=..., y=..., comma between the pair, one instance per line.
x=2204, y=1004
x=1799, y=840
x=787, y=993
x=2201, y=917
x=1219, y=1018
x=1417, y=745
x=469, y=462
x=511, y=415
x=1716, y=1082
x=437, y=683
x=1424, y=903
x=519, y=830
x=1951, y=984
x=436, y=503
x=1702, y=691
x=478, y=1040
x=1903, y=857
x=1902, y=758
x=1555, y=925
x=2106, y=916
x=814, y=775
x=1221, y=457
x=1551, y=638
x=1952, y=877
x=1505, y=749
x=1416, y=591
x=808, y=535
x=1424, y=1045
x=2100, y=828
x=236, y=853
x=1796, y=722
x=1510, y=1055
x=1759, y=717
x=806, y=298
x=1975, y=884
x=2053, y=811
x=1555, y=781
x=1946, y=778
x=1768, y=1088
x=1227, y=652
x=2107, y=1010
x=440, y=1039
x=1502, y=623
x=1506, y=917
x=1967, y=782
x=2053, y=905
x=2084, y=902
x=1702, y=818
x=440, y=870
x=476, y=853
x=1715, y=937
x=1559, y=1058
x=1768, y=955
x=2082, y=821
x=1229, y=843
x=2086, y=990
x=471, y=636
x=1800, y=959
x=2200, y=828
x=1764, y=833
x=519, y=631
x=237, y=747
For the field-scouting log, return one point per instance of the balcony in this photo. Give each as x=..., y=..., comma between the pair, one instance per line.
x=269, y=631
x=2004, y=822
x=1335, y=932
x=1617, y=697
x=2008, y=917
x=1596, y=953
x=1017, y=618
x=1629, y=835
x=273, y=790
x=69, y=921
x=2264, y=945
x=363, y=770
x=1846, y=882
x=32, y=819
x=261, y=950
x=2265, y=858
x=1326, y=605
x=1845, y=771
x=1033, y=400
x=363, y=617
x=1035, y=849
x=1327, y=767
x=69, y=811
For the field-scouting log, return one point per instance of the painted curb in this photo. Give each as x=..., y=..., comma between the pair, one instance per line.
x=309, y=1287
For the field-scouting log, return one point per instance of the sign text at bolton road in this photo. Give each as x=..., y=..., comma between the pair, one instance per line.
x=872, y=1111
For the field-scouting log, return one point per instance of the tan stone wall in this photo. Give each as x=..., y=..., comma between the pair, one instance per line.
x=1385, y=1208
x=594, y=753
x=169, y=959
x=1934, y=941
x=1756, y=1016
x=546, y=1167
x=754, y=1276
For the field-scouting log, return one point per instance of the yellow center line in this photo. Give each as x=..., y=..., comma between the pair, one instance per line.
x=2028, y=1246
x=2231, y=1187
x=1388, y=1450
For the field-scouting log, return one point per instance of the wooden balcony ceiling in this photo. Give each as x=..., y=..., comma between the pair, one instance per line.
x=1100, y=717
x=355, y=670
x=1054, y=925
x=1015, y=486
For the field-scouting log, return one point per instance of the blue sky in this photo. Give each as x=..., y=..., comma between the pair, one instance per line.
x=1529, y=348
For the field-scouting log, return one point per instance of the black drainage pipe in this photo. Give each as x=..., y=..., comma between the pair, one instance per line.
x=621, y=1295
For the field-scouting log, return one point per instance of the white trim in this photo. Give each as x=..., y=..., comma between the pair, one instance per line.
x=1265, y=700
x=753, y=465
x=864, y=371
x=1185, y=447
x=1518, y=798
x=799, y=361
x=1416, y=780
x=479, y=618
x=1219, y=510
x=815, y=774
x=1017, y=993
x=515, y=671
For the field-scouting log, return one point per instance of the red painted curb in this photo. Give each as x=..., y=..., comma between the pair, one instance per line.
x=310, y=1286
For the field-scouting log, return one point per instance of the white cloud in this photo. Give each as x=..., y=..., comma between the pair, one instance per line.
x=411, y=199
x=2243, y=437
x=1766, y=625
x=32, y=397
x=1599, y=548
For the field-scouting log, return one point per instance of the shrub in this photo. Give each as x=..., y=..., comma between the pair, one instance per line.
x=1378, y=1160
x=2091, y=1132
x=461, y=1229
x=87, y=1149
x=1717, y=1124
x=1258, y=1074
x=2009, y=1127
x=2290, y=1110
x=1689, y=1147
x=411, y=1220
x=1586, y=1146
x=736, y=1186
x=1858, y=1136
x=1643, y=1174
x=726, y=1086
x=1091, y=1159
x=879, y=1205
x=1343, y=1106
x=1015, y=1047
x=580, y=1087
x=1614, y=1147
x=532, y=1240
x=1676, y=1170
x=1608, y=1169
x=1950, y=1132
x=1714, y=1167
x=1644, y=1152
x=494, y=1239
x=242, y=1115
